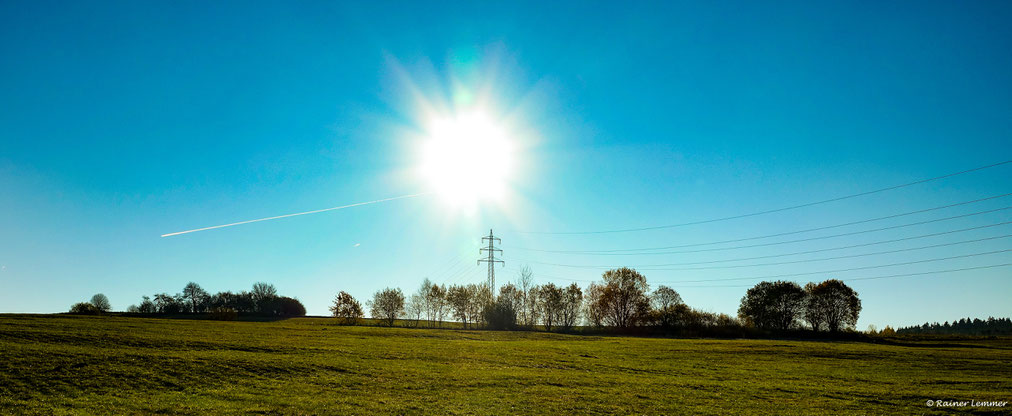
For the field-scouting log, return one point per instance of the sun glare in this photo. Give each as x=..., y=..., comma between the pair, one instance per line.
x=467, y=158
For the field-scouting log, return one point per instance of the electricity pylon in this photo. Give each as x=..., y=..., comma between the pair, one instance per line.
x=491, y=260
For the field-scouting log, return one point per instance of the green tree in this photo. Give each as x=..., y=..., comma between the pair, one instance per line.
x=773, y=305
x=289, y=306
x=833, y=305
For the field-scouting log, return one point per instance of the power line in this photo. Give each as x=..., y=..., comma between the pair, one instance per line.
x=931, y=260
x=538, y=275
x=468, y=268
x=771, y=210
x=450, y=270
x=818, y=272
x=765, y=236
x=512, y=269
x=442, y=269
x=655, y=266
x=461, y=267
x=882, y=277
x=836, y=257
x=923, y=273
x=799, y=240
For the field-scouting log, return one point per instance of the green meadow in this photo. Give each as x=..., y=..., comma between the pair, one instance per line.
x=61, y=364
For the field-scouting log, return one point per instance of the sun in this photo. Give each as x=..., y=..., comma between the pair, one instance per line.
x=467, y=158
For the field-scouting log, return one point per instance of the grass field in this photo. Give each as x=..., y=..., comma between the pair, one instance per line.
x=57, y=364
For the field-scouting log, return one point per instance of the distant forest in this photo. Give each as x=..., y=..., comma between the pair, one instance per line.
x=965, y=326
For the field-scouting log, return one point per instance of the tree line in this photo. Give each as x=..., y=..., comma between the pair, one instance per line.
x=964, y=326
x=261, y=300
x=620, y=301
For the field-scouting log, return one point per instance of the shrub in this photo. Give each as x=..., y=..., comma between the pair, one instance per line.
x=500, y=315
x=290, y=307
x=84, y=308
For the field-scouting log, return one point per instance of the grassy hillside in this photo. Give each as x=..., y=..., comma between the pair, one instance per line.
x=95, y=365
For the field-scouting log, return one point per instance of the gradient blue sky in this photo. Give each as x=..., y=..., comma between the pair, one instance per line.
x=123, y=121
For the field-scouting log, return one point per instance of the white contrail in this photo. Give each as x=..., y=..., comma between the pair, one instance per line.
x=296, y=214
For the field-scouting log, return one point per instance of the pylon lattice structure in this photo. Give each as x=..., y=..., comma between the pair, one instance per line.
x=491, y=259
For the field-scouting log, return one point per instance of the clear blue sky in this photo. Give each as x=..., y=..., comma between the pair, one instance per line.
x=123, y=121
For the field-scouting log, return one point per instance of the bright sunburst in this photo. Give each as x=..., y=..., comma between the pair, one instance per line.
x=467, y=158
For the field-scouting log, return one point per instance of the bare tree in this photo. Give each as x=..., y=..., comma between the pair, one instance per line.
x=263, y=296
x=101, y=302
x=551, y=299
x=424, y=302
x=481, y=297
x=195, y=296
x=166, y=303
x=665, y=301
x=415, y=307
x=594, y=307
x=815, y=308
x=387, y=305
x=571, y=303
x=467, y=302
x=510, y=295
x=436, y=300
x=458, y=297
x=346, y=308
x=624, y=301
x=528, y=308
x=146, y=306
